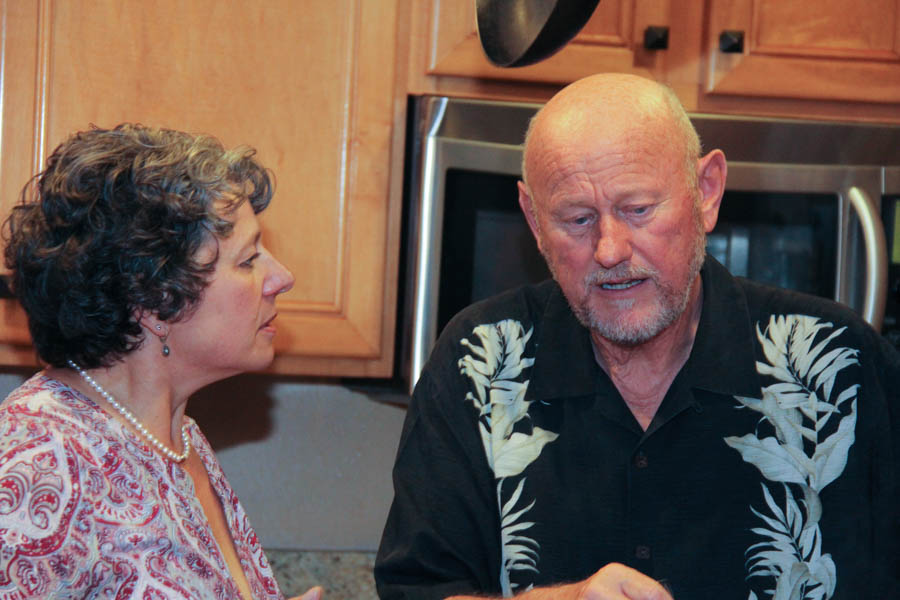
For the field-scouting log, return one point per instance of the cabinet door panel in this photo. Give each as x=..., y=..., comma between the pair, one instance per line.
x=309, y=84
x=20, y=151
x=828, y=50
x=610, y=41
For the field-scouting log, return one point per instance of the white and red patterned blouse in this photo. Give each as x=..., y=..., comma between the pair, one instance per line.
x=87, y=509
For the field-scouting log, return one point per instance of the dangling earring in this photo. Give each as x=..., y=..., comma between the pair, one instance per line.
x=165, y=347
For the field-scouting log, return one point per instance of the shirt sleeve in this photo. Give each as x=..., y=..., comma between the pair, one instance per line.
x=442, y=533
x=46, y=526
x=887, y=465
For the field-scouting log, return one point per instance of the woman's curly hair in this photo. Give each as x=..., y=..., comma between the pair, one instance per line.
x=111, y=229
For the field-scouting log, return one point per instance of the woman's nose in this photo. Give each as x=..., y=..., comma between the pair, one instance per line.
x=280, y=280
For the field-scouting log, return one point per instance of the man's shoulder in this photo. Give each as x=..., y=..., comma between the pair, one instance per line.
x=767, y=305
x=764, y=300
x=526, y=304
x=516, y=313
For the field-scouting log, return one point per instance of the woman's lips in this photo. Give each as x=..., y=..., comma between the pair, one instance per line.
x=268, y=325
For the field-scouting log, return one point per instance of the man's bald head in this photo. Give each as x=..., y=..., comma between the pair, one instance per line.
x=611, y=105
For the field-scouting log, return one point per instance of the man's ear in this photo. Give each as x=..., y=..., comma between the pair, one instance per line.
x=711, y=173
x=526, y=203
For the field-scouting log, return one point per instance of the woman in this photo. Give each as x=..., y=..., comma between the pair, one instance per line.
x=137, y=257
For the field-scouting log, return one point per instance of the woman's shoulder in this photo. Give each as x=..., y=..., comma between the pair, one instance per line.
x=49, y=433
x=45, y=451
x=64, y=481
x=42, y=404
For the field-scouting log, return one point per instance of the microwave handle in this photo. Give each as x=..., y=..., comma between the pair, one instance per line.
x=876, y=257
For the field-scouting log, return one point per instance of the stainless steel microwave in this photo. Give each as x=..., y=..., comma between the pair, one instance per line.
x=803, y=210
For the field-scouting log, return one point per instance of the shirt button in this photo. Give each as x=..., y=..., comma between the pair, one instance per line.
x=641, y=461
x=642, y=552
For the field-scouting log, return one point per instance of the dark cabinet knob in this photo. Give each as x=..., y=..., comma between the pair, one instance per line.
x=656, y=38
x=731, y=41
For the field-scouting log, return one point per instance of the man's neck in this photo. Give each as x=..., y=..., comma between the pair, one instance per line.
x=643, y=373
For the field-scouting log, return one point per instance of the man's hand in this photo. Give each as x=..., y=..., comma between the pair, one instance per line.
x=612, y=582
x=314, y=593
x=618, y=582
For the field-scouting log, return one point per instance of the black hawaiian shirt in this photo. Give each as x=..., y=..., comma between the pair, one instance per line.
x=769, y=471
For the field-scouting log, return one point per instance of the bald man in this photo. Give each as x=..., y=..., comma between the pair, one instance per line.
x=644, y=425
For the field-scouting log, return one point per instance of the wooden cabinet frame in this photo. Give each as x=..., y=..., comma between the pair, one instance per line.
x=279, y=64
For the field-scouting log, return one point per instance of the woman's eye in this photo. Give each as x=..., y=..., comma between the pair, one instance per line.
x=249, y=262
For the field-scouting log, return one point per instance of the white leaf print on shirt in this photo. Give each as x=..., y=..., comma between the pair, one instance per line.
x=493, y=366
x=802, y=452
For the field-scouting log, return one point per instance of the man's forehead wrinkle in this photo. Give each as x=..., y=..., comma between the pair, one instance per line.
x=608, y=166
x=559, y=170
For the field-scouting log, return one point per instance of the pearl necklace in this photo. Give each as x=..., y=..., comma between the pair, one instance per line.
x=129, y=416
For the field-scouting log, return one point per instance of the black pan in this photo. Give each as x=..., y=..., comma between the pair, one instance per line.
x=515, y=33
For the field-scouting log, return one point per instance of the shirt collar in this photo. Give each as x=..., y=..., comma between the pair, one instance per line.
x=564, y=364
x=722, y=359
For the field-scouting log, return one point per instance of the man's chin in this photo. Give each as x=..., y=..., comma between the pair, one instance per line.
x=629, y=337
x=626, y=328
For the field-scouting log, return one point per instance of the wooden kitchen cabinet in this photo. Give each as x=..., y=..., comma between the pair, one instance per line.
x=446, y=56
x=312, y=85
x=834, y=59
x=612, y=40
x=827, y=50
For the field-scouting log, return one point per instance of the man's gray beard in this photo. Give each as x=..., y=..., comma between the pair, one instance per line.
x=672, y=302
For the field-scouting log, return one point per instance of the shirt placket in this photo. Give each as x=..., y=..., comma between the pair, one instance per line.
x=646, y=484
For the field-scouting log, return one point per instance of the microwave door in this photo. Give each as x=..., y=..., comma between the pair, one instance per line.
x=440, y=158
x=827, y=240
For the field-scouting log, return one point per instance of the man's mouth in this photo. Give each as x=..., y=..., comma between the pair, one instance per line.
x=621, y=286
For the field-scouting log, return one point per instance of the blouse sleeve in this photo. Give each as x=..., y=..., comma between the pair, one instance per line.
x=46, y=521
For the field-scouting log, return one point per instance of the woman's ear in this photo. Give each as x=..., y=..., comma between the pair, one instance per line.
x=151, y=322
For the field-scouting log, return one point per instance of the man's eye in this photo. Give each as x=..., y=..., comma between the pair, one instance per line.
x=640, y=210
x=582, y=220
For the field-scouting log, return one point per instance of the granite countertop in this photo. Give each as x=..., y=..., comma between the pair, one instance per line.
x=343, y=575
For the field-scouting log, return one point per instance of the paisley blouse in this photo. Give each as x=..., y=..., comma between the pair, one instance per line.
x=88, y=509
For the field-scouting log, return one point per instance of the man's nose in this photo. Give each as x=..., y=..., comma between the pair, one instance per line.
x=613, y=245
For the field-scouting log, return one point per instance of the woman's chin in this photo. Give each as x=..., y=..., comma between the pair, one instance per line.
x=263, y=360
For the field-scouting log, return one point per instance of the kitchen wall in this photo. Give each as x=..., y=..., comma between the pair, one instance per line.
x=311, y=462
